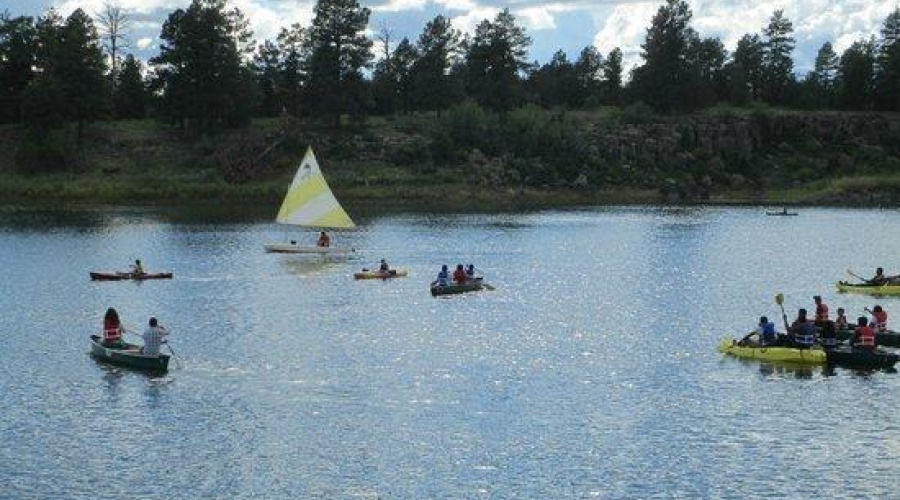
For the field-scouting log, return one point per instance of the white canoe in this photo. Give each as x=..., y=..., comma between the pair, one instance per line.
x=288, y=248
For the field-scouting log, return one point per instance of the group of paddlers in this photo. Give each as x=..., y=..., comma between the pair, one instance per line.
x=806, y=332
x=461, y=275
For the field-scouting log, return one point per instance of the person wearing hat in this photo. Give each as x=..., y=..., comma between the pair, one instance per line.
x=821, y=311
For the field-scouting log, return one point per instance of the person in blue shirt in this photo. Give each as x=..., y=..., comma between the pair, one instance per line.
x=766, y=332
x=443, y=277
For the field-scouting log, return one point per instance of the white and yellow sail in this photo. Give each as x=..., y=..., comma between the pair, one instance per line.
x=309, y=201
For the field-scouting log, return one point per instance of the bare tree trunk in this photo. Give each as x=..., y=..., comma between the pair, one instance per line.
x=115, y=28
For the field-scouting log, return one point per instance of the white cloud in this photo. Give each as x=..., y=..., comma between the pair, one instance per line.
x=144, y=43
x=626, y=28
x=400, y=5
x=467, y=22
x=464, y=5
x=540, y=17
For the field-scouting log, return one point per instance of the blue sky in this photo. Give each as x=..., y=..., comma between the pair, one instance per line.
x=553, y=25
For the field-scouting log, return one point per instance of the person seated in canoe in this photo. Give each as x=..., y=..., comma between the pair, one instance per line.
x=784, y=211
x=154, y=337
x=384, y=267
x=828, y=336
x=879, y=319
x=470, y=272
x=112, y=330
x=324, y=240
x=459, y=275
x=137, y=268
x=821, y=310
x=879, y=278
x=840, y=323
x=443, y=277
x=803, y=330
x=863, y=336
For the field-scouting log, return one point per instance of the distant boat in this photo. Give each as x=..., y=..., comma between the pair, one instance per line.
x=783, y=212
x=119, y=276
x=309, y=202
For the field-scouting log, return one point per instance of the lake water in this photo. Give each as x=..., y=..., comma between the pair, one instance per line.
x=590, y=372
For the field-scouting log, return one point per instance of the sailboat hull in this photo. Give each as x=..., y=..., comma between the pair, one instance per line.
x=288, y=248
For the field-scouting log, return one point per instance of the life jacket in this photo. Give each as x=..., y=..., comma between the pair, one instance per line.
x=459, y=276
x=112, y=332
x=805, y=334
x=880, y=321
x=822, y=312
x=866, y=336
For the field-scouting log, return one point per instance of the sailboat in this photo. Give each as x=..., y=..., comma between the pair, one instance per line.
x=309, y=202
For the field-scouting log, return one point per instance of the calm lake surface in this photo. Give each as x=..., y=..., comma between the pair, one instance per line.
x=591, y=372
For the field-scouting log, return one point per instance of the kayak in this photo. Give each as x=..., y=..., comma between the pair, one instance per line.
x=783, y=214
x=289, y=248
x=129, y=357
x=455, y=288
x=365, y=274
x=778, y=354
x=889, y=338
x=886, y=289
x=129, y=276
x=861, y=358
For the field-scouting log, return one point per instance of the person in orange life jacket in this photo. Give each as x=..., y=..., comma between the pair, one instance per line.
x=459, y=275
x=863, y=337
x=821, y=310
x=803, y=330
x=112, y=330
x=840, y=323
x=324, y=240
x=828, y=337
x=879, y=319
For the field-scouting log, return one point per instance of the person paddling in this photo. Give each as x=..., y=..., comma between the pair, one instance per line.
x=863, y=336
x=459, y=275
x=137, y=268
x=840, y=323
x=879, y=278
x=324, y=240
x=803, y=330
x=821, y=310
x=112, y=330
x=154, y=337
x=384, y=267
x=443, y=277
x=879, y=319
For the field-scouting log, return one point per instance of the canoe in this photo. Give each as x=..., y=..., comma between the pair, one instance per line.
x=129, y=276
x=889, y=338
x=887, y=289
x=777, y=354
x=455, y=288
x=288, y=248
x=782, y=214
x=365, y=274
x=861, y=358
x=129, y=357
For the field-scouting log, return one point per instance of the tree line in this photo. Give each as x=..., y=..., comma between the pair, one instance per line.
x=210, y=73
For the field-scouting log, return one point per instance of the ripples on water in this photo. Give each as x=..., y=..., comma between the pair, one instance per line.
x=590, y=373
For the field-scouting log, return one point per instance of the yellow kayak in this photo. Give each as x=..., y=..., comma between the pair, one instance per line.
x=779, y=354
x=843, y=286
x=365, y=274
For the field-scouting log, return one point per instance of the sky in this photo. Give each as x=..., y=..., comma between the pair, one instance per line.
x=553, y=25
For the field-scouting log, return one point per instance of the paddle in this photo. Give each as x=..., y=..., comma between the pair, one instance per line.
x=177, y=357
x=779, y=299
x=851, y=273
x=486, y=286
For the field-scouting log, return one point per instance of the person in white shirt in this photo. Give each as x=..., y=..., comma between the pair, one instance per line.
x=153, y=338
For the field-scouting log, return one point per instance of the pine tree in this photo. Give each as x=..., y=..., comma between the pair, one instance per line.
x=887, y=80
x=746, y=70
x=778, y=66
x=494, y=61
x=588, y=75
x=339, y=51
x=856, y=76
x=80, y=70
x=266, y=66
x=18, y=46
x=292, y=49
x=439, y=45
x=611, y=87
x=131, y=91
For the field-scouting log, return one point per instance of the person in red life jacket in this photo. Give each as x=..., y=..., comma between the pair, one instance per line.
x=840, y=323
x=821, y=311
x=459, y=275
x=863, y=337
x=879, y=319
x=112, y=330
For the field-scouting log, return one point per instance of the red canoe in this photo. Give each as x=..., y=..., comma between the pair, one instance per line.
x=129, y=276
